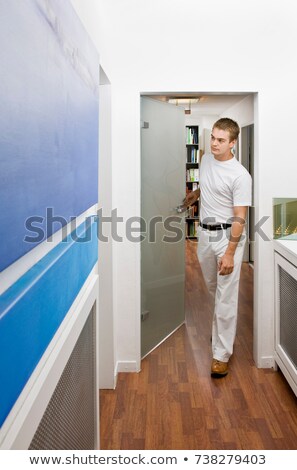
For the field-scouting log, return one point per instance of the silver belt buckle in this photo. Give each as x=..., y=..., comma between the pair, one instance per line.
x=210, y=229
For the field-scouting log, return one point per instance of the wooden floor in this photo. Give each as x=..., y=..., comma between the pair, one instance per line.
x=173, y=403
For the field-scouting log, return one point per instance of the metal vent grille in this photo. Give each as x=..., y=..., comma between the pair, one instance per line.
x=288, y=314
x=69, y=419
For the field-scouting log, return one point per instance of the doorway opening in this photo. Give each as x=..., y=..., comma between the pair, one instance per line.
x=172, y=159
x=247, y=160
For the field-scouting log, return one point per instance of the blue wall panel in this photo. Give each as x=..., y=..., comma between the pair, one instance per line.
x=33, y=308
x=49, y=75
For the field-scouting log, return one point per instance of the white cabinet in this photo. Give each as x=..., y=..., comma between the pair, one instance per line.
x=285, y=261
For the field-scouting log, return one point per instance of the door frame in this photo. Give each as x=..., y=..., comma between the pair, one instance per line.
x=245, y=160
x=106, y=327
x=256, y=298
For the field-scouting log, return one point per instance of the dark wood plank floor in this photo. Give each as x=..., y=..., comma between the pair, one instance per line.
x=173, y=403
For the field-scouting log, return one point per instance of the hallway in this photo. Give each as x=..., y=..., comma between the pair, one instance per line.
x=174, y=404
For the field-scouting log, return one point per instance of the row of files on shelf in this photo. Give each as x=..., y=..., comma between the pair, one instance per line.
x=192, y=174
x=192, y=135
x=192, y=228
x=193, y=155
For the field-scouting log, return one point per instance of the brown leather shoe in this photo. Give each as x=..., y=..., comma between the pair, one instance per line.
x=219, y=369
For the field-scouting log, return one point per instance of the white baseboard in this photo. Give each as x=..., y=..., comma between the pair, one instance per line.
x=109, y=382
x=121, y=366
x=267, y=362
x=126, y=366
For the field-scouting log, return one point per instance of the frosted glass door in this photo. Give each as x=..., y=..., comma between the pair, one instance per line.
x=163, y=249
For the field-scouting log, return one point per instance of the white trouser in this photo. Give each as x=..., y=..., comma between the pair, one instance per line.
x=224, y=289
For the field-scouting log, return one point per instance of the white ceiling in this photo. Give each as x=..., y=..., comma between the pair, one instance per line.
x=209, y=104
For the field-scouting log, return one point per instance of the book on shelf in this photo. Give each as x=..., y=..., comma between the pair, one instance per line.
x=193, y=211
x=192, y=175
x=194, y=155
x=196, y=225
x=192, y=136
x=192, y=231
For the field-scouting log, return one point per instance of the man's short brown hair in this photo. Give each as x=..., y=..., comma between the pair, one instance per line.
x=227, y=124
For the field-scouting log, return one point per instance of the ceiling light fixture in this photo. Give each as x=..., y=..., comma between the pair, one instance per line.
x=188, y=111
x=183, y=101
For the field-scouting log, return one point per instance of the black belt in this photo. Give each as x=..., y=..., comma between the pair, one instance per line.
x=215, y=226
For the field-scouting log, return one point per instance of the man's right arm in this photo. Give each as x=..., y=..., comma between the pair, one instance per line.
x=192, y=197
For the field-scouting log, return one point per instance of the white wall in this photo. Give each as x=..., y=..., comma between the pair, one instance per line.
x=197, y=46
x=243, y=114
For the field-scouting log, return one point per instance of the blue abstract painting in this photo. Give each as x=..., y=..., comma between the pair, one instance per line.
x=49, y=76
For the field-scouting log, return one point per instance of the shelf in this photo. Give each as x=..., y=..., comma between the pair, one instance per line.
x=192, y=171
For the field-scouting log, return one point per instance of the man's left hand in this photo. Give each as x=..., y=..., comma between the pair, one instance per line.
x=226, y=265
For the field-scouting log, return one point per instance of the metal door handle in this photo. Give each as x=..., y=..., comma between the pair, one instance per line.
x=181, y=208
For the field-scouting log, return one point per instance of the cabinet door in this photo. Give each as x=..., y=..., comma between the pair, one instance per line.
x=163, y=249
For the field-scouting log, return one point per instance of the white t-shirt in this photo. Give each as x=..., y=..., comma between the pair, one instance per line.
x=223, y=185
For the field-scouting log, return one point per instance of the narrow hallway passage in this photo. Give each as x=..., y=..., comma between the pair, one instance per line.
x=174, y=404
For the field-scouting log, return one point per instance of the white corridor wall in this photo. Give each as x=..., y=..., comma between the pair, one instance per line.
x=200, y=46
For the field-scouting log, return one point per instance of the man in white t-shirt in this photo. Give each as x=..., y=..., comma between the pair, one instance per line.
x=225, y=192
